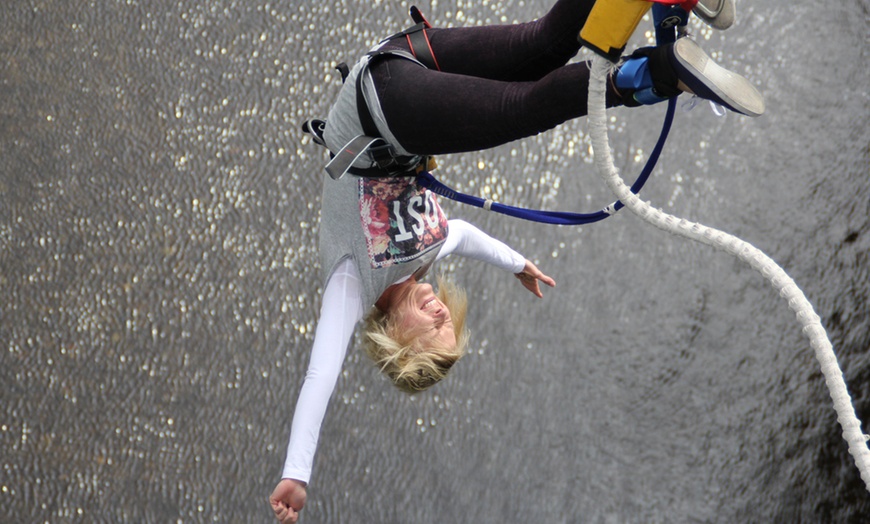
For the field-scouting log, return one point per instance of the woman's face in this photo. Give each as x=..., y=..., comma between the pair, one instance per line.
x=420, y=309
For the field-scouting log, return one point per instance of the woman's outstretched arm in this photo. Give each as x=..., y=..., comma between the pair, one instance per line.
x=469, y=241
x=339, y=314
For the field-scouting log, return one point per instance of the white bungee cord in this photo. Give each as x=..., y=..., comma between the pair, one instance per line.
x=779, y=279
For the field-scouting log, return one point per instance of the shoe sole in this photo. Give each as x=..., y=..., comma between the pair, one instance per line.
x=722, y=17
x=729, y=89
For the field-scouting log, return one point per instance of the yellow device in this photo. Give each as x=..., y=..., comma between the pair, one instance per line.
x=610, y=24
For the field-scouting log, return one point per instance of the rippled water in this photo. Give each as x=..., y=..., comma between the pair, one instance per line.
x=158, y=226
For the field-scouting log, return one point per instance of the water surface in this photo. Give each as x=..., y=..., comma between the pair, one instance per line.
x=158, y=229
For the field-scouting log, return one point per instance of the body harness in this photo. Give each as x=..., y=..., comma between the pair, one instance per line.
x=633, y=74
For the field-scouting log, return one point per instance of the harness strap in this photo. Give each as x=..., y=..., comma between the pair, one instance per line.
x=387, y=162
x=315, y=129
x=365, y=116
x=385, y=157
x=343, y=70
x=420, y=46
x=350, y=153
x=418, y=18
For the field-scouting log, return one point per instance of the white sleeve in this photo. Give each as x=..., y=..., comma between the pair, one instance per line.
x=468, y=241
x=341, y=310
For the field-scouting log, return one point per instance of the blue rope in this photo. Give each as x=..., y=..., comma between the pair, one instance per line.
x=428, y=181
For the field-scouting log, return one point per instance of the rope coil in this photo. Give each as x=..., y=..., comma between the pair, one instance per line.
x=779, y=279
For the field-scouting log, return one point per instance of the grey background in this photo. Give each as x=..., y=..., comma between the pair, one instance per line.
x=158, y=237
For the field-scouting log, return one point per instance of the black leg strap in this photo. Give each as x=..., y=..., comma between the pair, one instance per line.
x=422, y=49
x=418, y=17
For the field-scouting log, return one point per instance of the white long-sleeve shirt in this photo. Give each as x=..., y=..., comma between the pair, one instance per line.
x=341, y=310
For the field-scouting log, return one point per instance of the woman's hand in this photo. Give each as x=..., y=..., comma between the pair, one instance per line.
x=287, y=500
x=530, y=276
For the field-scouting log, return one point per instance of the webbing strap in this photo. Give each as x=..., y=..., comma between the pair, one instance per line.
x=350, y=153
x=420, y=46
x=365, y=116
x=387, y=162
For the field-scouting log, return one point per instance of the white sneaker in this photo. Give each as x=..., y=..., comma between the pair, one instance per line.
x=718, y=14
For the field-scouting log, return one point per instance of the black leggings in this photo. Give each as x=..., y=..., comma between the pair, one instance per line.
x=496, y=84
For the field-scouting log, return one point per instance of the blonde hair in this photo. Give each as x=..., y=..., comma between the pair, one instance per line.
x=413, y=363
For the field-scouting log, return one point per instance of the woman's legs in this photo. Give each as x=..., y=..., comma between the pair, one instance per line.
x=502, y=83
x=496, y=84
x=513, y=52
x=432, y=112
